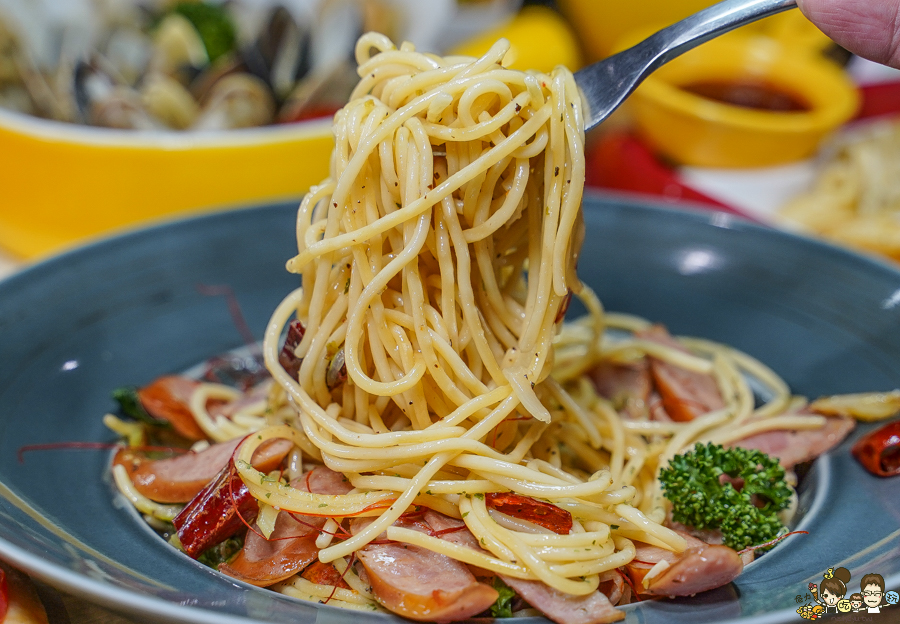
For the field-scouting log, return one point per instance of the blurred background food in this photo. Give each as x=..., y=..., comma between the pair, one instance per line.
x=855, y=197
x=114, y=113
x=118, y=112
x=147, y=65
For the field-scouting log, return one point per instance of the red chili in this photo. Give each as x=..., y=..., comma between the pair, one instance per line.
x=4, y=595
x=879, y=451
x=563, y=307
x=219, y=511
x=288, y=360
x=546, y=515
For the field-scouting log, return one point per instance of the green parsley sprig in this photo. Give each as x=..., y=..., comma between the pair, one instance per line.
x=738, y=491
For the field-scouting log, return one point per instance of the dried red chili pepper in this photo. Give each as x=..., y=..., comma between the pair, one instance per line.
x=288, y=360
x=216, y=513
x=4, y=595
x=544, y=514
x=563, y=307
x=879, y=450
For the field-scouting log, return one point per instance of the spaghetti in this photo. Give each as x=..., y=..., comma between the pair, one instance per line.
x=437, y=260
x=855, y=197
x=426, y=358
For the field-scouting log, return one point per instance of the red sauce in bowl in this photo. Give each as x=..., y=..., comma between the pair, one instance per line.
x=748, y=94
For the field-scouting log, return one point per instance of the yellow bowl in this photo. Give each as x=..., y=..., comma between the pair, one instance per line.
x=694, y=130
x=539, y=38
x=61, y=184
x=600, y=24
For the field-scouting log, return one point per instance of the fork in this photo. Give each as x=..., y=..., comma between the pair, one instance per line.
x=606, y=84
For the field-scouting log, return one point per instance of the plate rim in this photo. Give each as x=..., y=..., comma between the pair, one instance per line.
x=132, y=602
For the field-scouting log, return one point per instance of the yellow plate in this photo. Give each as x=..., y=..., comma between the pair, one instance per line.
x=61, y=184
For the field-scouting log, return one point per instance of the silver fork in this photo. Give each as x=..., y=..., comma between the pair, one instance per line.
x=606, y=84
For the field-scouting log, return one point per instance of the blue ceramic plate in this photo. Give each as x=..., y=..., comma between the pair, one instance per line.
x=126, y=310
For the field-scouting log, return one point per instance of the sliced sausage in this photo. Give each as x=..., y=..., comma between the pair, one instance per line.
x=699, y=568
x=179, y=479
x=168, y=398
x=793, y=447
x=627, y=386
x=292, y=545
x=685, y=394
x=421, y=584
x=594, y=608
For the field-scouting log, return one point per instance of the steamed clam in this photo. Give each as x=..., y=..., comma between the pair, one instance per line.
x=13, y=93
x=129, y=50
x=102, y=100
x=169, y=101
x=156, y=64
x=280, y=55
x=177, y=47
x=237, y=101
x=10, y=51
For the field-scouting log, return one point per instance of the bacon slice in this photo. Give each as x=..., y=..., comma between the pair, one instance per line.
x=223, y=506
x=290, y=548
x=594, y=608
x=795, y=447
x=627, y=386
x=179, y=479
x=707, y=536
x=685, y=394
x=420, y=584
x=699, y=568
x=324, y=480
x=292, y=545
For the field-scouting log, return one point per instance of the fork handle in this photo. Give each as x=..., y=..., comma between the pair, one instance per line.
x=607, y=83
x=709, y=23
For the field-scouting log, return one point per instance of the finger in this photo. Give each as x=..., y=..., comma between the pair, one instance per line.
x=869, y=28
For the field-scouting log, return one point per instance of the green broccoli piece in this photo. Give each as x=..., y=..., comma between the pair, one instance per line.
x=738, y=491
x=502, y=607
